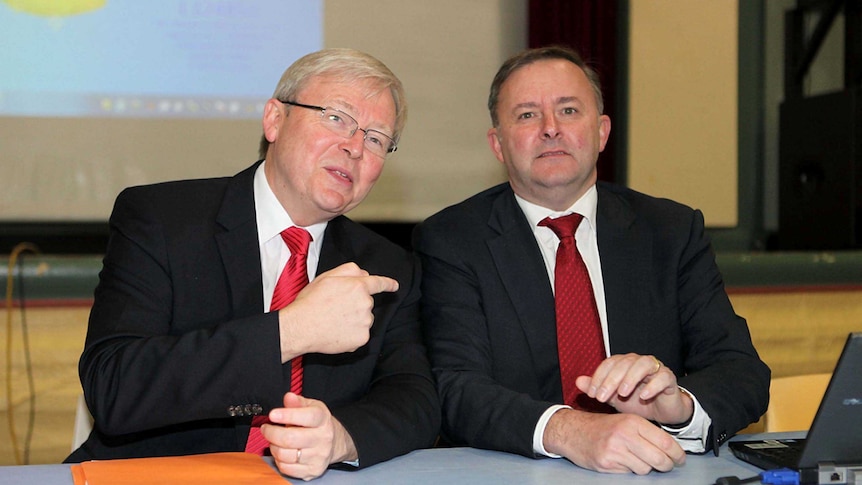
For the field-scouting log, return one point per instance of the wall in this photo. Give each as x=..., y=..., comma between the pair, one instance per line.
x=56, y=338
x=682, y=122
x=446, y=53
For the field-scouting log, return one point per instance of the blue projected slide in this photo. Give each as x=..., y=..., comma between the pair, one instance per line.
x=149, y=58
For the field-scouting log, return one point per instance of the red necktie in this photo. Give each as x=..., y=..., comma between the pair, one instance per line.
x=293, y=278
x=579, y=333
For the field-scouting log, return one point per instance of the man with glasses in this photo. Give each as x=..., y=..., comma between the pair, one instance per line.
x=194, y=345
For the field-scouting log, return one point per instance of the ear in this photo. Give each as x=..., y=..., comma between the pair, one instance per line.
x=604, y=131
x=272, y=118
x=494, y=143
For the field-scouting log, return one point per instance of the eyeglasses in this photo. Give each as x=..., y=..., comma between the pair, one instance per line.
x=343, y=124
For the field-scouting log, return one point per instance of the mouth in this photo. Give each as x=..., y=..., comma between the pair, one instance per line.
x=556, y=153
x=339, y=173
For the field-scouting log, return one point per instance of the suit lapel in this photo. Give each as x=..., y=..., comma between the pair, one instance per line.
x=623, y=249
x=238, y=244
x=522, y=270
x=336, y=250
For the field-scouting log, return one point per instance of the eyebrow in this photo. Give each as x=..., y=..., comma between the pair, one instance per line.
x=528, y=104
x=558, y=101
x=568, y=99
x=342, y=105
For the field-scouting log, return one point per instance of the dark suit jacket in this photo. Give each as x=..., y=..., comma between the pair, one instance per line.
x=179, y=352
x=488, y=310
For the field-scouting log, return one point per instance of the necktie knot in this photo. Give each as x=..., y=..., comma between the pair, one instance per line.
x=297, y=240
x=294, y=276
x=563, y=226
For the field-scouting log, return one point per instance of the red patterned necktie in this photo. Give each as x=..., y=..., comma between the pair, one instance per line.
x=579, y=332
x=293, y=278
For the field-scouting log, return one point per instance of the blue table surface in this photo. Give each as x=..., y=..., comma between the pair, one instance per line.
x=473, y=466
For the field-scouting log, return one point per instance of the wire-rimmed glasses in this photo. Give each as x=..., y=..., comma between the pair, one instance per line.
x=343, y=124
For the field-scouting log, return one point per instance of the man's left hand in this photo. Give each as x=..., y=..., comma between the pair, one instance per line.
x=639, y=384
x=309, y=438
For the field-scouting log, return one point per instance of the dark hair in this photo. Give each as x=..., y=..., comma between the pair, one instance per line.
x=530, y=56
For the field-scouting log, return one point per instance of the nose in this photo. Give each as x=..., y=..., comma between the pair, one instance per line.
x=355, y=145
x=549, y=126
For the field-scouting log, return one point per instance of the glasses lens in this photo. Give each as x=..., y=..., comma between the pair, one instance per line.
x=378, y=143
x=339, y=122
x=344, y=125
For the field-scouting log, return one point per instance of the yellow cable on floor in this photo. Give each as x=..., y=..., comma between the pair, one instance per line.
x=13, y=257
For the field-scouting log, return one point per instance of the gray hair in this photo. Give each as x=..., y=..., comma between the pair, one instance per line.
x=347, y=65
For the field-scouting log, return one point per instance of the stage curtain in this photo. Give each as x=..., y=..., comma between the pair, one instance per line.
x=590, y=27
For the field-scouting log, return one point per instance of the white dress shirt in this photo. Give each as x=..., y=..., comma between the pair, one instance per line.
x=274, y=253
x=693, y=436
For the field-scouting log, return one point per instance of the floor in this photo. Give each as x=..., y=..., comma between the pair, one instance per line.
x=56, y=337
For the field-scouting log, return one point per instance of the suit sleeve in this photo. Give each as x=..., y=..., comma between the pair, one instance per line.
x=720, y=364
x=400, y=411
x=479, y=409
x=160, y=352
x=665, y=296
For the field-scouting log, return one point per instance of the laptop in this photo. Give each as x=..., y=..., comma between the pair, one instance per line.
x=836, y=434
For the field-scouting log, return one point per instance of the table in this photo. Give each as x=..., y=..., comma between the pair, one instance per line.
x=468, y=466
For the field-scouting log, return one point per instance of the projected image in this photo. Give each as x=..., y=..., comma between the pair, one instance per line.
x=128, y=58
x=54, y=8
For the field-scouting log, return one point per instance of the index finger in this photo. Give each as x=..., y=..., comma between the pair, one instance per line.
x=379, y=284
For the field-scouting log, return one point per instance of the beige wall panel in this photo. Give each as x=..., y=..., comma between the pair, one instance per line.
x=446, y=53
x=800, y=332
x=683, y=104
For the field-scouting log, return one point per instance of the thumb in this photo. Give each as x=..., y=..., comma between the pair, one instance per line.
x=347, y=269
x=583, y=383
x=292, y=400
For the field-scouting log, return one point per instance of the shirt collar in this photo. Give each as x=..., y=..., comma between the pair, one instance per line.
x=585, y=206
x=271, y=216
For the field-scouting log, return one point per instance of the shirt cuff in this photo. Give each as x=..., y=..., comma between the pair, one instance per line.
x=539, y=433
x=692, y=437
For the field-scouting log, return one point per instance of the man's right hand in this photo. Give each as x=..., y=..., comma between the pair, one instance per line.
x=333, y=313
x=611, y=443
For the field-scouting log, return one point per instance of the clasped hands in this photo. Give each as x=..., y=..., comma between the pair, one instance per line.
x=642, y=390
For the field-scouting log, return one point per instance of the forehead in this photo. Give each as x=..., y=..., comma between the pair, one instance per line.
x=349, y=93
x=546, y=79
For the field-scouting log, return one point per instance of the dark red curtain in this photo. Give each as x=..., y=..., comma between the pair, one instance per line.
x=590, y=27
